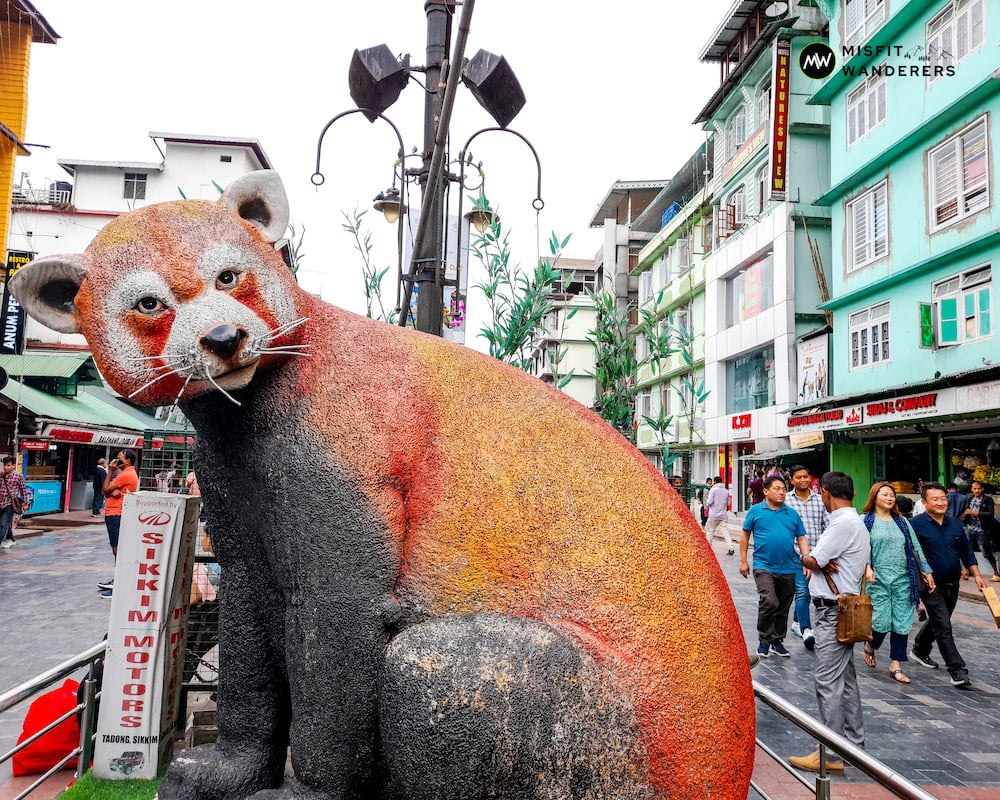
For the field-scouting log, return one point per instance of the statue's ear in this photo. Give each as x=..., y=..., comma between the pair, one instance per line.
x=259, y=198
x=46, y=288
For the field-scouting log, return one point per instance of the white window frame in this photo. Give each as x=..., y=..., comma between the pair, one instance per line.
x=952, y=194
x=736, y=131
x=136, y=181
x=644, y=405
x=868, y=337
x=964, y=301
x=866, y=108
x=861, y=19
x=762, y=183
x=868, y=227
x=738, y=202
x=763, y=103
x=954, y=34
x=645, y=286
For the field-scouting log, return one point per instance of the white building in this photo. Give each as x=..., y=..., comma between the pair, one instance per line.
x=63, y=216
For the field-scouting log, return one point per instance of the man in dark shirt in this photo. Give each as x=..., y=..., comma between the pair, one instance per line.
x=755, y=489
x=946, y=546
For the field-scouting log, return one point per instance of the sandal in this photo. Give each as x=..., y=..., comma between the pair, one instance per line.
x=898, y=676
x=870, y=657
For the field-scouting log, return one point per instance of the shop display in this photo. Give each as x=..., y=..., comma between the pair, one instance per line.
x=976, y=460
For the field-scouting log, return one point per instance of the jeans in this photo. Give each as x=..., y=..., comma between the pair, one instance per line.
x=98, y=503
x=775, y=593
x=801, y=614
x=6, y=518
x=940, y=604
x=897, y=644
x=836, y=679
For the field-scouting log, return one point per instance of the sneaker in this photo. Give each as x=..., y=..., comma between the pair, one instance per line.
x=6, y=544
x=924, y=661
x=794, y=630
x=960, y=680
x=106, y=584
x=106, y=594
x=811, y=763
x=808, y=639
x=780, y=650
x=763, y=650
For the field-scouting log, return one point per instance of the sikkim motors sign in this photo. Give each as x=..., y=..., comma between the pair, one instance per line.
x=12, y=315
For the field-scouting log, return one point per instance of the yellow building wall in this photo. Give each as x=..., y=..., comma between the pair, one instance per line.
x=13, y=110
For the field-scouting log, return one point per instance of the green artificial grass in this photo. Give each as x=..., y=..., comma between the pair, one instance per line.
x=90, y=788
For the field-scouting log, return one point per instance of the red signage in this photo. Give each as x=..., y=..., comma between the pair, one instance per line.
x=902, y=405
x=34, y=445
x=817, y=418
x=779, y=118
x=84, y=436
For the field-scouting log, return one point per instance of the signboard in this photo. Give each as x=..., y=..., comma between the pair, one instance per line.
x=143, y=666
x=779, y=117
x=64, y=433
x=34, y=444
x=813, y=373
x=48, y=495
x=12, y=315
x=886, y=410
x=741, y=426
x=753, y=143
x=811, y=439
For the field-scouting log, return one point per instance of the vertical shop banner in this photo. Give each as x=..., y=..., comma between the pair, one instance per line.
x=12, y=315
x=779, y=117
x=813, y=372
x=140, y=696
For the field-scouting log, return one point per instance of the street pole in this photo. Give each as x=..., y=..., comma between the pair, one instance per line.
x=426, y=266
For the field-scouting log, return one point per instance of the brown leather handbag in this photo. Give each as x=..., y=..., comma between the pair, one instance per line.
x=854, y=614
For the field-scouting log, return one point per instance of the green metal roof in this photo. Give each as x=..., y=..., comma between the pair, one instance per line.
x=87, y=408
x=45, y=366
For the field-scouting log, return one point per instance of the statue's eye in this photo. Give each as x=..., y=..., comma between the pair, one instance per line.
x=228, y=279
x=150, y=305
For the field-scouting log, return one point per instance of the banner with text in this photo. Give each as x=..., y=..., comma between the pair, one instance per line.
x=145, y=656
x=12, y=315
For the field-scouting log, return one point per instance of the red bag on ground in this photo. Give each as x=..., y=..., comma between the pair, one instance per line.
x=54, y=746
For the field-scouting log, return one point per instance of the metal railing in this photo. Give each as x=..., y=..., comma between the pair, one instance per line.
x=41, y=197
x=84, y=750
x=879, y=772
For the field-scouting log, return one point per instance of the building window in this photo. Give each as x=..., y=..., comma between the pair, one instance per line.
x=962, y=306
x=868, y=228
x=641, y=347
x=763, y=177
x=645, y=286
x=958, y=171
x=644, y=405
x=865, y=108
x=953, y=34
x=736, y=131
x=750, y=291
x=226, y=159
x=869, y=332
x=732, y=213
x=135, y=186
x=863, y=18
x=665, y=402
x=763, y=103
x=750, y=381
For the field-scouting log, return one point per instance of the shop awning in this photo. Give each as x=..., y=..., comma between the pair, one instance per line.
x=54, y=366
x=776, y=454
x=84, y=409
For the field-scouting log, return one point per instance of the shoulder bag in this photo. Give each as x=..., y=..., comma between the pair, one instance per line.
x=854, y=614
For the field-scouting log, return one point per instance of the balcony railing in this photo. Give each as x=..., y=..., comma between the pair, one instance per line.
x=41, y=197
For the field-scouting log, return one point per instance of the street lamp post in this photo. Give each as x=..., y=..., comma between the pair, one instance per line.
x=376, y=79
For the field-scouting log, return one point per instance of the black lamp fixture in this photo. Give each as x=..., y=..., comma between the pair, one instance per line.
x=494, y=85
x=480, y=218
x=375, y=78
x=389, y=204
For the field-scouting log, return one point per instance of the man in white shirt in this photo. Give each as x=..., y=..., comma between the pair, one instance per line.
x=841, y=553
x=718, y=513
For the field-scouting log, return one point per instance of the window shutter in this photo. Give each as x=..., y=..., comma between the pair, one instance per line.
x=860, y=232
x=944, y=177
x=926, y=311
x=948, y=320
x=881, y=223
x=984, y=312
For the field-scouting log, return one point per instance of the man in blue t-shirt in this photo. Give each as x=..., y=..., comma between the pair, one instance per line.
x=776, y=528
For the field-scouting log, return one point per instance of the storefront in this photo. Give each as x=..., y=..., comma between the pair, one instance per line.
x=938, y=432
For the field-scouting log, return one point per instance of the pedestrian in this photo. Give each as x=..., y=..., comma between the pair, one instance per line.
x=192, y=484
x=896, y=566
x=12, y=494
x=100, y=473
x=814, y=518
x=840, y=555
x=702, y=496
x=164, y=478
x=957, y=502
x=776, y=528
x=718, y=513
x=755, y=489
x=991, y=537
x=120, y=481
x=978, y=507
x=947, y=549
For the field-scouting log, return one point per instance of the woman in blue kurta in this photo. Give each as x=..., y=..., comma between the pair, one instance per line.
x=895, y=591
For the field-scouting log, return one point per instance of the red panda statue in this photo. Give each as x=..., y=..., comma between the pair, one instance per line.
x=441, y=578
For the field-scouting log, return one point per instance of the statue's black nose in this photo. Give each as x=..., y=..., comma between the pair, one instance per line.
x=223, y=340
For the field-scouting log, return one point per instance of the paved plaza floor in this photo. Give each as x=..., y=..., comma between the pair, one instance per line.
x=928, y=731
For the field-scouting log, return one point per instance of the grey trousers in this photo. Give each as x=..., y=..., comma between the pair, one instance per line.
x=836, y=679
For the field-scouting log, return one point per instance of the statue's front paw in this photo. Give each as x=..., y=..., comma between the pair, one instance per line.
x=204, y=773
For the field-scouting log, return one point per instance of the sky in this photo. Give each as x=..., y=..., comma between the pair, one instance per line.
x=611, y=94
